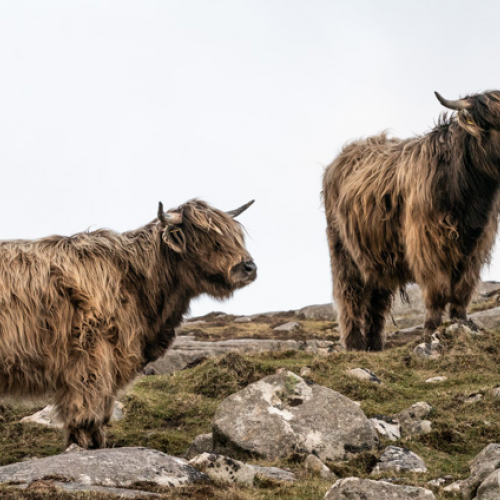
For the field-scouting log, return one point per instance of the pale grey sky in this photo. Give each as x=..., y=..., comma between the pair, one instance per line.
x=107, y=107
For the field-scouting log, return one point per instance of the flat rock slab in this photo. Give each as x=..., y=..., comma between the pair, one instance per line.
x=282, y=414
x=399, y=459
x=365, y=489
x=113, y=467
x=489, y=319
x=187, y=351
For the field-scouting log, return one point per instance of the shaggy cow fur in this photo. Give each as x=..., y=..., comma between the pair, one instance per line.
x=81, y=315
x=419, y=210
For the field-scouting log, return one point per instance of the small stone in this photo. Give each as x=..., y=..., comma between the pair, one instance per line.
x=438, y=483
x=495, y=393
x=473, y=398
x=305, y=371
x=364, y=374
x=389, y=430
x=426, y=350
x=411, y=419
x=287, y=327
x=224, y=469
x=436, y=380
x=314, y=465
x=399, y=459
x=419, y=428
x=243, y=319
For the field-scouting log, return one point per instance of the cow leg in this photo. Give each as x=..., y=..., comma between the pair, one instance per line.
x=379, y=303
x=85, y=401
x=435, y=302
x=461, y=294
x=349, y=293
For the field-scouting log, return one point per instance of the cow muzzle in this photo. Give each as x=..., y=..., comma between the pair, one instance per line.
x=245, y=272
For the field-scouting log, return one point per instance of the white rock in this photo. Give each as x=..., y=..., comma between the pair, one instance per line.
x=436, y=380
x=391, y=431
x=364, y=374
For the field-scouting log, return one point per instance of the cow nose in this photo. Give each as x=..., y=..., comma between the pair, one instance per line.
x=250, y=267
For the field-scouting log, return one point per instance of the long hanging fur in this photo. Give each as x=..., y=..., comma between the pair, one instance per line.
x=420, y=210
x=81, y=315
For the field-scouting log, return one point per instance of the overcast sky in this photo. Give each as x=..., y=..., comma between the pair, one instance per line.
x=107, y=107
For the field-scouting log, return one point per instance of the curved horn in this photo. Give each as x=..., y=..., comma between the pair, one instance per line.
x=457, y=105
x=238, y=211
x=168, y=218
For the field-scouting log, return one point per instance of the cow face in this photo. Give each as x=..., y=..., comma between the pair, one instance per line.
x=210, y=247
x=477, y=113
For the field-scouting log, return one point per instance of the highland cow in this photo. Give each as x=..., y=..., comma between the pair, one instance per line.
x=419, y=210
x=80, y=316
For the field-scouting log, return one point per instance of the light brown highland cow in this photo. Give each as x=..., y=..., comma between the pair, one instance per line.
x=421, y=210
x=81, y=315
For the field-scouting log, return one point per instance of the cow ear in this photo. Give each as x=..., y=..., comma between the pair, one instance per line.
x=174, y=238
x=467, y=122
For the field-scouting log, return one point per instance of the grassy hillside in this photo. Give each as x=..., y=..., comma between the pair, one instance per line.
x=167, y=412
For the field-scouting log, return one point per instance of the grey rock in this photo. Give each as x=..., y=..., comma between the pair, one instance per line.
x=399, y=459
x=364, y=374
x=323, y=312
x=412, y=314
x=226, y=470
x=485, y=463
x=282, y=414
x=389, y=430
x=436, y=380
x=438, y=483
x=495, y=393
x=490, y=487
x=113, y=467
x=273, y=474
x=243, y=319
x=287, y=327
x=489, y=319
x=457, y=328
x=71, y=487
x=204, y=443
x=366, y=489
x=427, y=350
x=473, y=398
x=416, y=411
x=411, y=419
x=314, y=465
x=305, y=371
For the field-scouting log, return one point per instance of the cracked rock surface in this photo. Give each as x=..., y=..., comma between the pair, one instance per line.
x=112, y=467
x=282, y=414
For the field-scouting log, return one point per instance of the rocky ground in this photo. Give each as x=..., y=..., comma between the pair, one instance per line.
x=270, y=406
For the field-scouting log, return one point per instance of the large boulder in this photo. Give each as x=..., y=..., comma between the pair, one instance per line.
x=113, y=467
x=486, y=463
x=282, y=414
x=366, y=489
x=490, y=487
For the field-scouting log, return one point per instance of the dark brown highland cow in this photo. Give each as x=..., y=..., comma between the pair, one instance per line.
x=419, y=210
x=81, y=315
